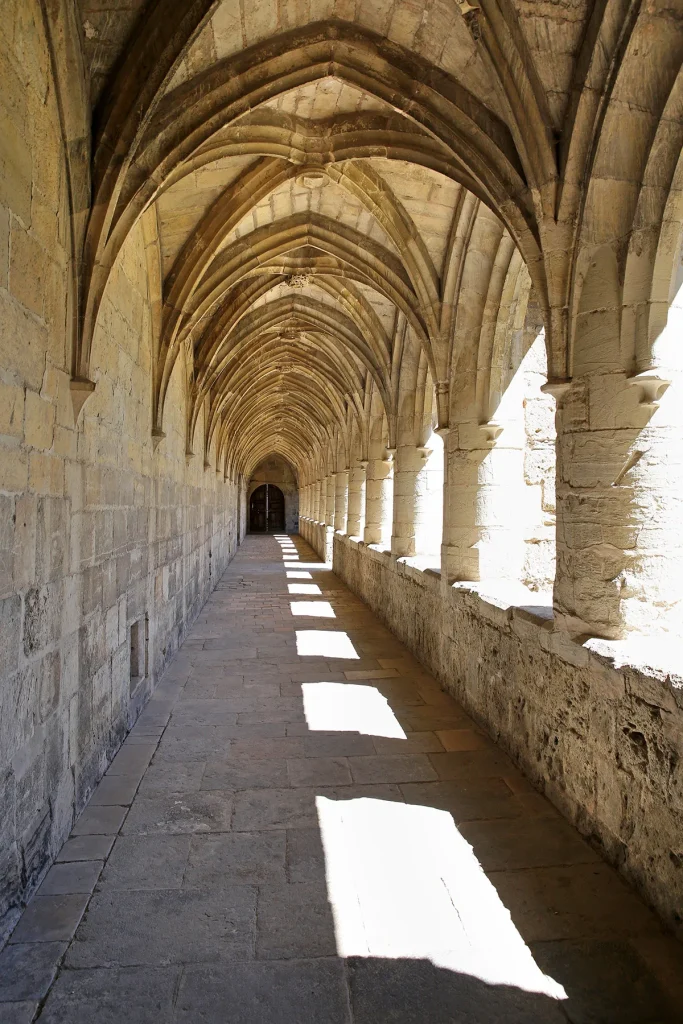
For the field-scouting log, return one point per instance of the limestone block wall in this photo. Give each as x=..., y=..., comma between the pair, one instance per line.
x=593, y=727
x=108, y=548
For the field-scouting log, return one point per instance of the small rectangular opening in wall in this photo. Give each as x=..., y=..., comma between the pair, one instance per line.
x=139, y=652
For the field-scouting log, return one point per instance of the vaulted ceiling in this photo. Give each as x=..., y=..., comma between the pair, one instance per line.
x=344, y=191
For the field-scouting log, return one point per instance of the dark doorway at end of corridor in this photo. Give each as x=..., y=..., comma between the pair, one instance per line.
x=267, y=510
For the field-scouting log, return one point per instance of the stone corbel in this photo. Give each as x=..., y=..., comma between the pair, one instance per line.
x=491, y=430
x=651, y=386
x=81, y=390
x=424, y=452
x=157, y=437
x=557, y=388
x=189, y=455
x=390, y=453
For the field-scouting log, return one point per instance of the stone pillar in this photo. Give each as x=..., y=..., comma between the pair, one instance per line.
x=619, y=506
x=329, y=500
x=356, y=504
x=379, y=495
x=409, y=496
x=341, y=498
x=484, y=503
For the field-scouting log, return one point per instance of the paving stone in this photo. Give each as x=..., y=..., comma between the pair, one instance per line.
x=295, y=921
x=239, y=773
x=258, y=809
x=17, y=1013
x=344, y=744
x=308, y=992
x=605, y=982
x=146, y=862
x=320, y=771
x=164, y=927
x=236, y=859
x=466, y=801
x=526, y=843
x=178, y=813
x=50, y=919
x=132, y=759
x=102, y=820
x=473, y=764
x=573, y=902
x=268, y=748
x=414, y=743
x=27, y=969
x=417, y=992
x=86, y=848
x=172, y=777
x=204, y=745
x=463, y=739
x=115, y=790
x=136, y=995
x=76, y=877
x=305, y=855
x=392, y=768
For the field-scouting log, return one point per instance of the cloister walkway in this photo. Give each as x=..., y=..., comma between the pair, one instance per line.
x=302, y=828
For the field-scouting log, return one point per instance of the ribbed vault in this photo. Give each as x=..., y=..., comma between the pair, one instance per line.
x=343, y=205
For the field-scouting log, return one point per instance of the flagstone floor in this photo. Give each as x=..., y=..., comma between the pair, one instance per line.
x=302, y=828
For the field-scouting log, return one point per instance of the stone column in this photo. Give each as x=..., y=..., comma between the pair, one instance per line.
x=341, y=498
x=329, y=517
x=379, y=496
x=484, y=503
x=356, y=505
x=329, y=500
x=409, y=494
x=619, y=505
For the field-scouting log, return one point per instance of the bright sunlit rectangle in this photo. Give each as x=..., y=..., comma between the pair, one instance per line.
x=324, y=643
x=349, y=707
x=403, y=883
x=299, y=576
x=316, y=609
x=304, y=588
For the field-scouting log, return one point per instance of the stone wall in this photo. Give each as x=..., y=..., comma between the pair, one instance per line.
x=593, y=725
x=105, y=543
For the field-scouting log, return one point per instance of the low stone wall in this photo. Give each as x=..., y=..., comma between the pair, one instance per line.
x=594, y=728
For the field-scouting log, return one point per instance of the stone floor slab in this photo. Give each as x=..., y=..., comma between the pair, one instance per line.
x=305, y=992
x=136, y=995
x=146, y=862
x=166, y=927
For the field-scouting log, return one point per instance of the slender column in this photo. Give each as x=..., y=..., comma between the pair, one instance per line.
x=341, y=498
x=329, y=500
x=409, y=492
x=484, y=503
x=356, y=505
x=378, y=501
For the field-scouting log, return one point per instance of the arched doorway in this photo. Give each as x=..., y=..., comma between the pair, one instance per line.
x=267, y=510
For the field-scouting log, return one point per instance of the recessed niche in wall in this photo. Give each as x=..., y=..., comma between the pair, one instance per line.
x=139, y=644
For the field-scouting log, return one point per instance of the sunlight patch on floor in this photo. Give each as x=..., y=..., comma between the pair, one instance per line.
x=324, y=643
x=304, y=588
x=402, y=882
x=315, y=609
x=299, y=576
x=348, y=707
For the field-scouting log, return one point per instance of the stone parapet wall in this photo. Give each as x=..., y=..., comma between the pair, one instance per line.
x=592, y=726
